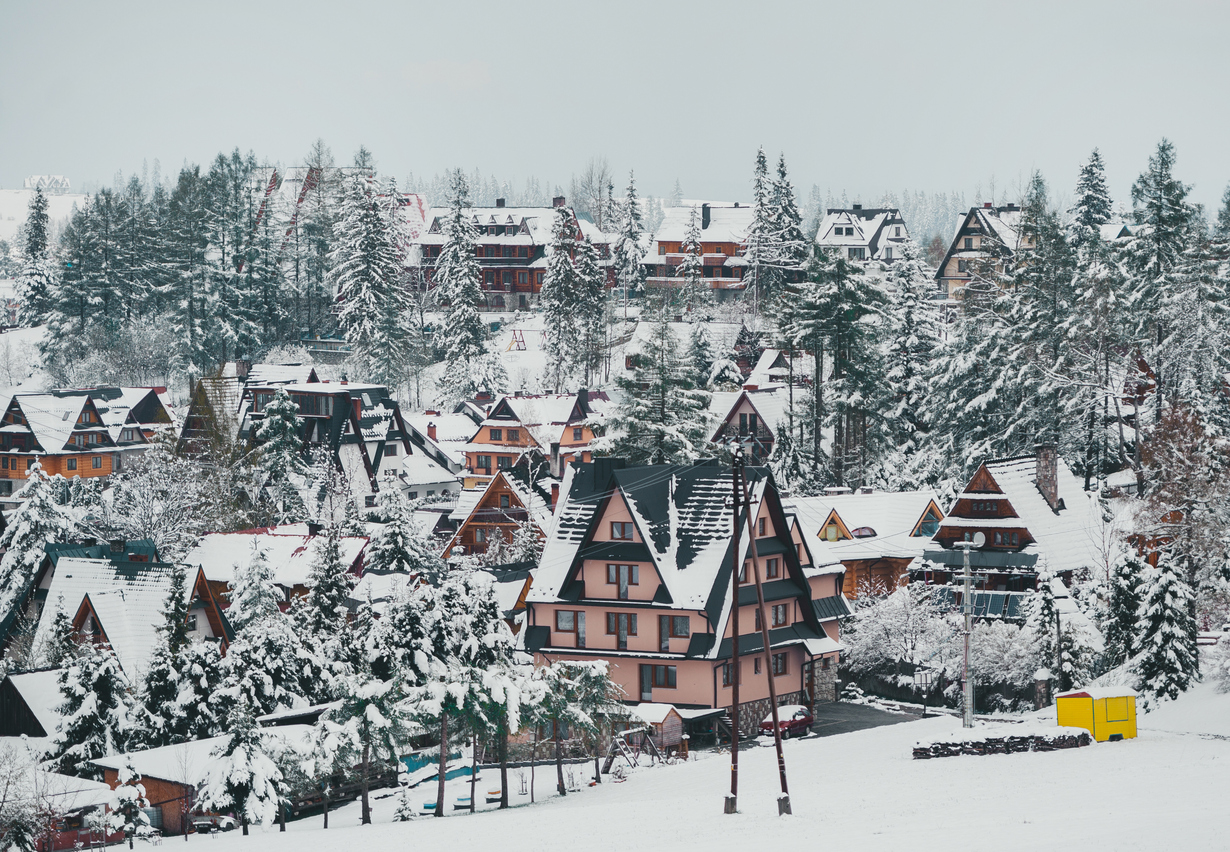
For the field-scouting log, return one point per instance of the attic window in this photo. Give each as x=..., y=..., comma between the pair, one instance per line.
x=65, y=417
x=863, y=532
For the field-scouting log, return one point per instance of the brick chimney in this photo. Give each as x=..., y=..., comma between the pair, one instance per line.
x=554, y=494
x=986, y=204
x=1047, y=474
x=557, y=201
x=431, y=431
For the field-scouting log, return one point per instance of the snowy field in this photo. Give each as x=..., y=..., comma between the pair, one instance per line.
x=854, y=791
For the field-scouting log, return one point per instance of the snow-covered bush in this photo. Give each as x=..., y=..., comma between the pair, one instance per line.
x=127, y=801
x=904, y=627
x=1215, y=663
x=241, y=776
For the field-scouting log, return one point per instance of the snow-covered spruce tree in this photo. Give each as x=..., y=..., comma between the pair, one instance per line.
x=272, y=665
x=469, y=368
x=1093, y=206
x=761, y=238
x=700, y=354
x=590, y=307
x=692, y=268
x=241, y=777
x=252, y=595
x=200, y=676
x=405, y=811
x=627, y=251
x=1043, y=621
x=370, y=727
x=40, y=518
x=401, y=545
x=128, y=801
x=791, y=248
x=62, y=646
x=99, y=716
x=1119, y=619
x=575, y=697
x=281, y=456
x=366, y=271
x=1166, y=633
x=36, y=279
x=165, y=722
x=663, y=416
x=560, y=289
x=329, y=585
x=913, y=338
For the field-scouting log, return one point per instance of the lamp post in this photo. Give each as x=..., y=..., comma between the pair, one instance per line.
x=922, y=679
x=967, y=606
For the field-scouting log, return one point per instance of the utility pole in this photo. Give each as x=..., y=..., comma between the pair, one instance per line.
x=967, y=606
x=732, y=801
x=783, y=803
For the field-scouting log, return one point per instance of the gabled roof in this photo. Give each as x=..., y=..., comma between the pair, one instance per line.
x=545, y=416
x=534, y=499
x=52, y=419
x=281, y=374
x=727, y=223
x=1000, y=223
x=41, y=692
x=771, y=405
x=895, y=517
x=869, y=226
x=289, y=555
x=128, y=599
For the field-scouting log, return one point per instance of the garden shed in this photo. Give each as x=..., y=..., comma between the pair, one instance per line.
x=1108, y=713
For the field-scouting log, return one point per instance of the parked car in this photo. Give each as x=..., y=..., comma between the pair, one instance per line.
x=208, y=822
x=795, y=720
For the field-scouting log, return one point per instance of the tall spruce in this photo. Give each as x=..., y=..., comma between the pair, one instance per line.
x=560, y=290
x=692, y=267
x=1166, y=633
x=36, y=275
x=1093, y=206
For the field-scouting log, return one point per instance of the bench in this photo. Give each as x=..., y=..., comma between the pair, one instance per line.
x=462, y=803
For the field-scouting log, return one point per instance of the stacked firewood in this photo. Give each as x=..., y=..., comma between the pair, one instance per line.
x=1002, y=745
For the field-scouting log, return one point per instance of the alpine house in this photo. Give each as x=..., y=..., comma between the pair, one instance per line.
x=636, y=571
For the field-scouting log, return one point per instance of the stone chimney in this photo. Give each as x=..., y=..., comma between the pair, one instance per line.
x=1047, y=474
x=431, y=431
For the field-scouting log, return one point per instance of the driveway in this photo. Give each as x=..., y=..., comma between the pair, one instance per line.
x=842, y=718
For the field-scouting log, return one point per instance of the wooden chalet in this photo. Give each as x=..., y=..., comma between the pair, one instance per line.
x=512, y=249
x=723, y=240
x=553, y=426
x=495, y=510
x=985, y=239
x=651, y=547
x=864, y=235
x=1035, y=517
x=753, y=418
x=121, y=605
x=64, y=433
x=215, y=411
x=876, y=536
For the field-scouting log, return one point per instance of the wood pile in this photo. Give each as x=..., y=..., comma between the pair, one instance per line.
x=1002, y=745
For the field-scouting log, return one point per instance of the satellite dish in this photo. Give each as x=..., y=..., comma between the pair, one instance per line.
x=979, y=539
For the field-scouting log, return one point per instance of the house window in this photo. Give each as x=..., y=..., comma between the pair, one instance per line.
x=577, y=434
x=480, y=535
x=969, y=242
x=505, y=501
x=190, y=623
x=29, y=463
x=514, y=434
x=780, y=664
x=962, y=266
x=681, y=627
x=771, y=568
x=897, y=231
x=483, y=462
x=72, y=464
x=503, y=462
x=726, y=673
x=1016, y=539
x=390, y=450
x=621, y=530
x=743, y=573
x=661, y=249
x=664, y=676
x=565, y=621
x=760, y=526
x=369, y=501
x=888, y=253
x=780, y=614
x=96, y=462
x=414, y=495
x=497, y=434
x=523, y=278
x=759, y=623
x=621, y=625
x=623, y=576
x=756, y=665
x=856, y=253
x=4, y=463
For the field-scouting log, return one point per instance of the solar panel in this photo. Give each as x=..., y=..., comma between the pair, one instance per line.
x=997, y=605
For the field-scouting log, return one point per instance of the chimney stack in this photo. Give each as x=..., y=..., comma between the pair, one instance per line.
x=499, y=202
x=858, y=207
x=557, y=201
x=1047, y=474
x=554, y=495
x=431, y=431
x=986, y=204
x=704, y=216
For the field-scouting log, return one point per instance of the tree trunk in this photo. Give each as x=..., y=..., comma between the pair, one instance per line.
x=533, y=764
x=559, y=765
x=443, y=763
x=244, y=824
x=473, y=769
x=365, y=783
x=326, y=801
x=503, y=765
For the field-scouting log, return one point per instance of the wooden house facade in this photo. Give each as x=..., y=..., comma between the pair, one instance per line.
x=986, y=238
x=723, y=240
x=64, y=434
x=493, y=512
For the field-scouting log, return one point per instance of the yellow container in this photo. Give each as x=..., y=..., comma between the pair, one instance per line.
x=1109, y=713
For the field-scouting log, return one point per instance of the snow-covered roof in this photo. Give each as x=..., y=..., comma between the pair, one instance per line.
x=1068, y=539
x=727, y=223
x=289, y=555
x=652, y=713
x=545, y=416
x=867, y=228
x=771, y=404
x=765, y=373
x=41, y=692
x=186, y=763
x=51, y=417
x=893, y=516
x=280, y=374
x=380, y=587
x=420, y=469
x=1099, y=692
x=129, y=599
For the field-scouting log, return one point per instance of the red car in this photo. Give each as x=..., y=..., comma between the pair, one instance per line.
x=795, y=720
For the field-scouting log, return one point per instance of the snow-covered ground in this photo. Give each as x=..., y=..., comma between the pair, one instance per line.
x=854, y=791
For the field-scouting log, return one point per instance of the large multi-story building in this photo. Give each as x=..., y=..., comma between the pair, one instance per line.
x=512, y=249
x=723, y=234
x=986, y=238
x=864, y=235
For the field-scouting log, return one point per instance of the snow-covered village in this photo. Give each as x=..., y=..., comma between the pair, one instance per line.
x=357, y=416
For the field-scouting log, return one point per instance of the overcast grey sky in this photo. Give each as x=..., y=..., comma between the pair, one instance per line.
x=861, y=96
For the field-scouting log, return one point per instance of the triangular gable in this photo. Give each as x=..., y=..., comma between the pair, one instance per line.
x=932, y=509
x=982, y=482
x=834, y=519
x=800, y=540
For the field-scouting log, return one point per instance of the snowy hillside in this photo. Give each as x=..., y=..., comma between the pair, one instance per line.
x=856, y=791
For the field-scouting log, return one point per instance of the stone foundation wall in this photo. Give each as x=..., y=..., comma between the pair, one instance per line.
x=825, y=684
x=752, y=713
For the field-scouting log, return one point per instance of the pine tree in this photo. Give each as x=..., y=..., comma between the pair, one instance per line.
x=1043, y=621
x=329, y=584
x=370, y=726
x=760, y=241
x=241, y=777
x=161, y=689
x=558, y=298
x=252, y=595
x=63, y=644
x=36, y=277
x=1166, y=633
x=40, y=518
x=1093, y=207
x=1122, y=605
x=366, y=271
x=575, y=697
x=128, y=801
x=691, y=267
x=700, y=355
x=664, y=416
x=590, y=307
x=281, y=456
x=200, y=675
x=273, y=665
x=627, y=251
x=790, y=246
x=98, y=713
x=400, y=545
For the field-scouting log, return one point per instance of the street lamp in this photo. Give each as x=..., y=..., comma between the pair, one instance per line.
x=922, y=679
x=967, y=606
